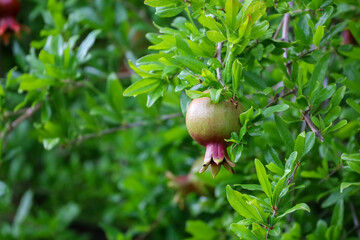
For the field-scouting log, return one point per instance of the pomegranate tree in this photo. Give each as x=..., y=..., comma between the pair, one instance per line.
x=9, y=9
x=210, y=124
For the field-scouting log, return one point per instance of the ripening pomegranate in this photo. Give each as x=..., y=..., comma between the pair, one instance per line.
x=348, y=37
x=209, y=124
x=9, y=9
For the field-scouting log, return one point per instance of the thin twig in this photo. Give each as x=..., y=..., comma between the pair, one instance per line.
x=26, y=114
x=276, y=99
x=312, y=126
x=119, y=128
x=218, y=70
x=285, y=37
x=355, y=218
x=278, y=29
x=338, y=167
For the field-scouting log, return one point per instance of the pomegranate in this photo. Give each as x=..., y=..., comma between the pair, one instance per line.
x=348, y=37
x=210, y=124
x=9, y=9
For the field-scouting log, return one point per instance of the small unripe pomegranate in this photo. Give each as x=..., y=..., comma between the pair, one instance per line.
x=210, y=124
x=9, y=9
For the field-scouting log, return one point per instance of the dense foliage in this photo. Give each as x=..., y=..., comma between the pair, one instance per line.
x=83, y=159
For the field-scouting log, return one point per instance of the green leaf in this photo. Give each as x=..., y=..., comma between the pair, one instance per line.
x=242, y=232
x=345, y=185
x=200, y=229
x=169, y=11
x=142, y=86
x=161, y=3
x=272, y=156
x=355, y=157
x=284, y=133
x=114, y=93
x=191, y=63
x=182, y=45
x=277, y=108
x=302, y=29
x=215, y=95
x=300, y=206
x=241, y=205
x=215, y=36
x=155, y=95
x=85, y=46
x=275, y=169
x=246, y=116
x=324, y=94
x=29, y=82
x=300, y=145
x=263, y=178
x=290, y=163
x=338, y=214
x=22, y=211
x=236, y=74
x=354, y=166
x=339, y=125
x=319, y=33
x=279, y=188
x=259, y=29
x=319, y=72
x=309, y=142
x=196, y=94
x=332, y=115
x=251, y=187
x=232, y=8
x=353, y=104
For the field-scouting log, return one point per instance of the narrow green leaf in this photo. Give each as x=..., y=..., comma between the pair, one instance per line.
x=338, y=214
x=277, y=108
x=215, y=95
x=142, y=86
x=355, y=157
x=319, y=71
x=161, y=3
x=242, y=232
x=215, y=36
x=354, y=166
x=263, y=178
x=290, y=163
x=232, y=8
x=319, y=33
x=323, y=94
x=191, y=63
x=300, y=144
x=309, y=142
x=169, y=11
x=300, y=206
x=275, y=169
x=241, y=205
x=284, y=133
x=86, y=45
x=236, y=74
x=345, y=185
x=353, y=104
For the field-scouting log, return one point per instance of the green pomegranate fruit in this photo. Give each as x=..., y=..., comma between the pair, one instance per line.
x=210, y=124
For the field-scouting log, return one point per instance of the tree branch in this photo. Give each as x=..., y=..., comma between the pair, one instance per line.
x=278, y=29
x=26, y=113
x=312, y=126
x=119, y=128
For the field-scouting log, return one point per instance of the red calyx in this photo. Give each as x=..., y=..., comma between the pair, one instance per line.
x=8, y=24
